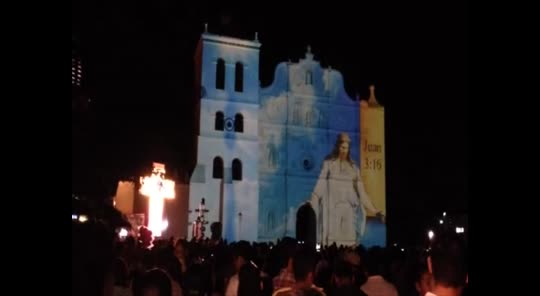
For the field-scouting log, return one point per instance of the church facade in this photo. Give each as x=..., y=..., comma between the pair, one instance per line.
x=260, y=150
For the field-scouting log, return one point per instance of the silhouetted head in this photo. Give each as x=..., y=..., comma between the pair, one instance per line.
x=447, y=260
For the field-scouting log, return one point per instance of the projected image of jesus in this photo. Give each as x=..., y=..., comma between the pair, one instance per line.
x=339, y=199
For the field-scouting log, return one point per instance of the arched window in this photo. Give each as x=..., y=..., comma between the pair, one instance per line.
x=309, y=78
x=239, y=123
x=220, y=74
x=239, y=77
x=237, y=170
x=217, y=170
x=220, y=121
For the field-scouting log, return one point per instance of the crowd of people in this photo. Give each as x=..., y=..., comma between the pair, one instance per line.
x=105, y=264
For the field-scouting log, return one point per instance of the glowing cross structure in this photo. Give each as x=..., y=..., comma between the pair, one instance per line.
x=157, y=188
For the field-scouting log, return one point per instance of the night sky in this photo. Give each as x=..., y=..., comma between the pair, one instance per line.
x=138, y=74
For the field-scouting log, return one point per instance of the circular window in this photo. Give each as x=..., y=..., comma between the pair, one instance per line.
x=229, y=124
x=307, y=162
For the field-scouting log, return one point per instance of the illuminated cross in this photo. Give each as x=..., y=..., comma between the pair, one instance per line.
x=157, y=188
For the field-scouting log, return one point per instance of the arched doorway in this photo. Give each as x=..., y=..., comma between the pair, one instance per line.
x=306, y=225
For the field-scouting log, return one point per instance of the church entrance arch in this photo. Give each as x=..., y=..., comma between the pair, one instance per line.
x=306, y=225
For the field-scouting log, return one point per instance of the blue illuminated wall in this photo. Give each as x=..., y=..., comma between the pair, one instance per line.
x=301, y=114
x=238, y=199
x=288, y=129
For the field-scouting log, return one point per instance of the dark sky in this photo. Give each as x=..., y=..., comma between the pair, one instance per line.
x=138, y=59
